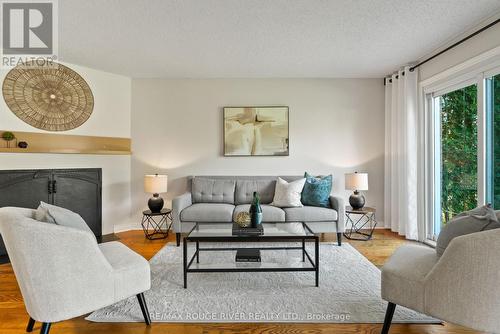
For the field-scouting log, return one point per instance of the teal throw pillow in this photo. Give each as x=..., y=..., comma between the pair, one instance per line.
x=317, y=190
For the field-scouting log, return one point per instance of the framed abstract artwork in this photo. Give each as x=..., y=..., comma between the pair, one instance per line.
x=256, y=131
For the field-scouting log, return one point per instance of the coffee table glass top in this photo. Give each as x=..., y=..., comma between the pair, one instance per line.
x=218, y=237
x=208, y=230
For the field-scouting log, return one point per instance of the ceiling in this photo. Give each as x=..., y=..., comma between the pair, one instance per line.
x=259, y=38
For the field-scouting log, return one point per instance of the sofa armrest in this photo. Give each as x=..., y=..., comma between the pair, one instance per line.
x=463, y=286
x=337, y=204
x=179, y=203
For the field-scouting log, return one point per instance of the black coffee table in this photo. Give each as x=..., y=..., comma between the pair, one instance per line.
x=277, y=234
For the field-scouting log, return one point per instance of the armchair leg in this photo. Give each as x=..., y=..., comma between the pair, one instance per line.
x=144, y=308
x=388, y=318
x=178, y=239
x=31, y=324
x=339, y=239
x=45, y=328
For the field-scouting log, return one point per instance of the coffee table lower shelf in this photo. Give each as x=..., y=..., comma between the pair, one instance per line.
x=307, y=264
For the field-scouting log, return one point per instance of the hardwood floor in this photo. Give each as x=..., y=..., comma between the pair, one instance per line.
x=13, y=317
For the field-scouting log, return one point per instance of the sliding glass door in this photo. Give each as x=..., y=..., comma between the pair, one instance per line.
x=458, y=115
x=455, y=155
x=462, y=145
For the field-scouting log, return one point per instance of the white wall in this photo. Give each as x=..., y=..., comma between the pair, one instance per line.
x=110, y=118
x=336, y=126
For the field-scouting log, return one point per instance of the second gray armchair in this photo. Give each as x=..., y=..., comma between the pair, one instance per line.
x=460, y=287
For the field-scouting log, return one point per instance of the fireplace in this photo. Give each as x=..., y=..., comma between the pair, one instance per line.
x=78, y=190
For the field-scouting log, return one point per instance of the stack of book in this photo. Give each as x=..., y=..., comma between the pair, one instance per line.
x=247, y=231
x=248, y=255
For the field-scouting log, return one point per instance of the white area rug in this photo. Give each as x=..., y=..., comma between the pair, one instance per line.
x=348, y=292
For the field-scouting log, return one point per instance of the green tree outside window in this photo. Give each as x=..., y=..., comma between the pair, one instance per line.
x=459, y=151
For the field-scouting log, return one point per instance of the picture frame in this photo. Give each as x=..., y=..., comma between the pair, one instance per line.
x=256, y=131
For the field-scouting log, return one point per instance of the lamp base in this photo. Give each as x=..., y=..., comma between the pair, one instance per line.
x=357, y=200
x=155, y=203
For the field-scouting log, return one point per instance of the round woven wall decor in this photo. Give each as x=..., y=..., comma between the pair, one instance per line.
x=51, y=97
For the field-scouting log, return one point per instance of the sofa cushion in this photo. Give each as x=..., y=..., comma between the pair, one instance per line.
x=246, y=188
x=208, y=212
x=269, y=213
x=310, y=214
x=213, y=190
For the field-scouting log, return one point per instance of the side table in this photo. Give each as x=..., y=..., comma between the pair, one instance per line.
x=366, y=221
x=156, y=224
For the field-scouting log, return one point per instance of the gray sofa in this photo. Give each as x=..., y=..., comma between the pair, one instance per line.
x=220, y=198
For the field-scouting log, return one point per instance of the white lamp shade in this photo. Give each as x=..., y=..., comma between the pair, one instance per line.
x=155, y=184
x=356, y=181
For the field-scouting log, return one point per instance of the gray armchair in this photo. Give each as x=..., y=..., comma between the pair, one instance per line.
x=460, y=287
x=62, y=271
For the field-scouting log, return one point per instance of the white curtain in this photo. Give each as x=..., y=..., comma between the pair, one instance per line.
x=401, y=111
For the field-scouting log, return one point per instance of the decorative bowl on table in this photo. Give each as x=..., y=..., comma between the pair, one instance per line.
x=243, y=219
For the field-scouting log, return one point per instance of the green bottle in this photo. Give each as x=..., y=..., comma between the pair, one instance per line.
x=256, y=210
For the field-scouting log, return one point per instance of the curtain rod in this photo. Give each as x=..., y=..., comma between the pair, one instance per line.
x=451, y=46
x=455, y=44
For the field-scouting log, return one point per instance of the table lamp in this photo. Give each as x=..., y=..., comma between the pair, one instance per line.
x=356, y=181
x=155, y=184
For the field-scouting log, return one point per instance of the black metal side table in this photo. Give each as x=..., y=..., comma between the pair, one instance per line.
x=366, y=221
x=156, y=224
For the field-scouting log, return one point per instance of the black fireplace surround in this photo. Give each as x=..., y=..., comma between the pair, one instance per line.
x=79, y=190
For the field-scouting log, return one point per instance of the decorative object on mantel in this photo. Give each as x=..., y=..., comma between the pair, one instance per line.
x=8, y=137
x=256, y=131
x=22, y=144
x=50, y=97
x=58, y=143
x=155, y=184
x=356, y=181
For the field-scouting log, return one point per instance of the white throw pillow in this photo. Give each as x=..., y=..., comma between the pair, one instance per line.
x=42, y=215
x=287, y=195
x=65, y=217
x=480, y=219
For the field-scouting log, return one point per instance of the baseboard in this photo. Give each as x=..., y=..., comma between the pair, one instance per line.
x=135, y=227
x=4, y=259
x=107, y=238
x=126, y=227
x=380, y=226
